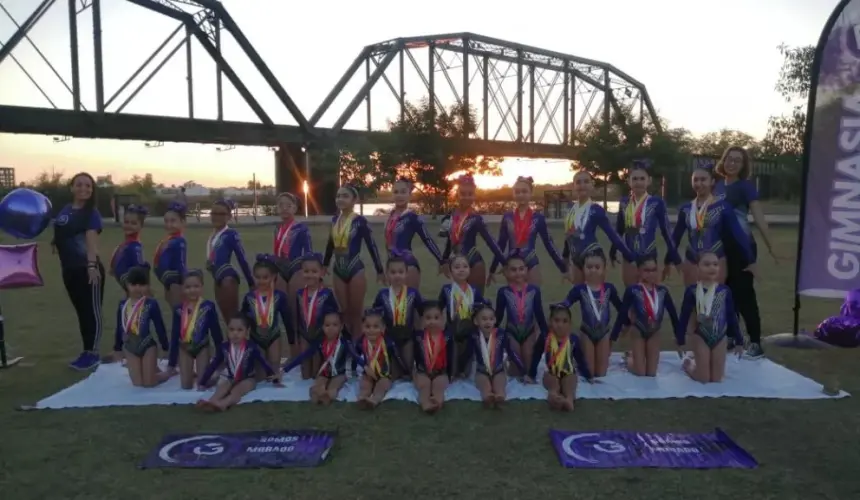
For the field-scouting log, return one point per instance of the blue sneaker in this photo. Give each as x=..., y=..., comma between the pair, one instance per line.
x=754, y=351
x=86, y=361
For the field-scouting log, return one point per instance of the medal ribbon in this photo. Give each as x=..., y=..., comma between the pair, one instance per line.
x=577, y=217
x=399, y=302
x=652, y=302
x=597, y=304
x=634, y=211
x=559, y=355
x=235, y=358
x=309, y=305
x=458, y=221
x=131, y=315
x=188, y=321
x=698, y=214
x=488, y=350
x=281, y=239
x=340, y=231
x=522, y=227
x=161, y=247
x=375, y=353
x=461, y=301
x=390, y=224
x=264, y=310
x=433, y=349
x=214, y=239
x=520, y=304
x=330, y=351
x=705, y=299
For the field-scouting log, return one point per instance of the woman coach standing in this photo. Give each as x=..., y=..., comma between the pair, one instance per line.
x=734, y=168
x=76, y=233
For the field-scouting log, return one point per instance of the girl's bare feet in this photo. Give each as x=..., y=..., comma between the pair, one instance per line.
x=489, y=401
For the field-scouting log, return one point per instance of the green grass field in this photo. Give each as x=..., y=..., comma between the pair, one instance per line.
x=806, y=448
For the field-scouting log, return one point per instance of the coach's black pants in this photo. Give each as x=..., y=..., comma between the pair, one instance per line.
x=742, y=285
x=87, y=299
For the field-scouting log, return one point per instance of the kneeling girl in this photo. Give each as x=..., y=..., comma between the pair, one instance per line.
x=432, y=371
x=490, y=346
x=560, y=348
x=268, y=310
x=333, y=349
x=374, y=353
x=195, y=322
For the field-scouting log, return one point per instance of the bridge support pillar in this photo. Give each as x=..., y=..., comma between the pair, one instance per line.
x=293, y=165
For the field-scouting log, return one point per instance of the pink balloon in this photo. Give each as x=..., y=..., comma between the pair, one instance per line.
x=19, y=266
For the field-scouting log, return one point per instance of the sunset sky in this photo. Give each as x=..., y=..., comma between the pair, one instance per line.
x=707, y=65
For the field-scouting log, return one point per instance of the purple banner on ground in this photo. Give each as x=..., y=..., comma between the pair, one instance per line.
x=245, y=450
x=829, y=255
x=618, y=449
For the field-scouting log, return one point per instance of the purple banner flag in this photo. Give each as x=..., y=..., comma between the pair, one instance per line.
x=246, y=450
x=829, y=248
x=617, y=449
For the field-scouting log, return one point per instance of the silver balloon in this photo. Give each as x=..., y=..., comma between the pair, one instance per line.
x=25, y=213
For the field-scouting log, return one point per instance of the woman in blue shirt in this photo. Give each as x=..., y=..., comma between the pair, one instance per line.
x=739, y=192
x=76, y=237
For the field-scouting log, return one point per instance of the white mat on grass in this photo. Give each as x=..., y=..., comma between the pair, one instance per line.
x=110, y=386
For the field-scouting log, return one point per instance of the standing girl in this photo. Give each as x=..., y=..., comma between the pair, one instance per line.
x=313, y=302
x=457, y=299
x=708, y=317
x=195, y=322
x=742, y=195
x=432, y=371
x=76, y=240
x=642, y=308
x=136, y=318
x=580, y=225
x=222, y=244
x=521, y=228
x=169, y=260
x=640, y=215
x=400, y=306
x=241, y=358
x=292, y=240
x=401, y=227
x=129, y=254
x=708, y=223
x=347, y=233
x=267, y=310
x=466, y=226
x=374, y=355
x=522, y=305
x=333, y=349
x=560, y=348
x=491, y=346
x=595, y=296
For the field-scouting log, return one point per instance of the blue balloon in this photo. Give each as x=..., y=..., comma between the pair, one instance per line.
x=25, y=213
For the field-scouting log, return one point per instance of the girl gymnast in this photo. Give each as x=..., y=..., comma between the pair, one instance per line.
x=333, y=349
x=268, y=311
x=222, y=244
x=128, y=255
x=707, y=221
x=347, y=233
x=456, y=300
x=490, y=346
x=640, y=215
x=401, y=228
x=241, y=359
x=292, y=240
x=521, y=228
x=642, y=308
x=580, y=225
x=400, y=306
x=195, y=328
x=374, y=352
x=462, y=237
x=169, y=261
x=560, y=348
x=521, y=305
x=432, y=371
x=313, y=302
x=136, y=318
x=708, y=317
x=595, y=296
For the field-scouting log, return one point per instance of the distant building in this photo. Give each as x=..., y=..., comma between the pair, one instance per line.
x=7, y=177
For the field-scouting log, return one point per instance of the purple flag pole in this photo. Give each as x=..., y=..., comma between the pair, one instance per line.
x=828, y=247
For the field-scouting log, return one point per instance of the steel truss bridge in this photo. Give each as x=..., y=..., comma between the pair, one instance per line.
x=528, y=101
